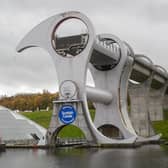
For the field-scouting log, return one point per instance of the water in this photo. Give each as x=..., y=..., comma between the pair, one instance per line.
x=150, y=156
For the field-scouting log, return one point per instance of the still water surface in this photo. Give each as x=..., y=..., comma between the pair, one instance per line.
x=151, y=156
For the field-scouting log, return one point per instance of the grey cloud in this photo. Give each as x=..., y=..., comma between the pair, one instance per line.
x=143, y=24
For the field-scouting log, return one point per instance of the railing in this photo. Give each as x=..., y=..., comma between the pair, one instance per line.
x=70, y=141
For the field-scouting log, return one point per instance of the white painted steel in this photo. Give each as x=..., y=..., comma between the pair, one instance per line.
x=98, y=95
x=75, y=69
x=111, y=66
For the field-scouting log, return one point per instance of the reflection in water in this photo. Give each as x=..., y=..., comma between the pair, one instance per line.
x=144, y=157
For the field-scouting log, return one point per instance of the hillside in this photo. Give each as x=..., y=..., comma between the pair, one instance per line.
x=29, y=102
x=43, y=118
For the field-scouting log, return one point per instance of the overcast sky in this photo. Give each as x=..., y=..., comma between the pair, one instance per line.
x=142, y=23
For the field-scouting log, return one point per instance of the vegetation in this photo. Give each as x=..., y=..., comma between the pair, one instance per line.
x=161, y=127
x=71, y=131
x=32, y=101
x=38, y=101
x=29, y=102
x=43, y=118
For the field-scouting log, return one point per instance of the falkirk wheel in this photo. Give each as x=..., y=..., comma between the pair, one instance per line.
x=112, y=64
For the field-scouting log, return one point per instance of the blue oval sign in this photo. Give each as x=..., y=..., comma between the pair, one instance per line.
x=67, y=114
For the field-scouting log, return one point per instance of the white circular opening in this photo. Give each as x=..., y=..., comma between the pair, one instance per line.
x=70, y=37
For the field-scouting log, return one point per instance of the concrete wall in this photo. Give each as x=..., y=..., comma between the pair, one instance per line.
x=139, y=113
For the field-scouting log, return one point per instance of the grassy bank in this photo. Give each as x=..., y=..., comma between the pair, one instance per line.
x=161, y=127
x=43, y=118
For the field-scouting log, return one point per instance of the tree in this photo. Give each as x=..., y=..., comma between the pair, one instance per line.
x=31, y=102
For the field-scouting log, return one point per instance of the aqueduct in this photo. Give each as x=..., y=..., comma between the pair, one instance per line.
x=116, y=70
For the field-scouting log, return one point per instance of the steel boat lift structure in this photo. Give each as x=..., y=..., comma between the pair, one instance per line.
x=113, y=66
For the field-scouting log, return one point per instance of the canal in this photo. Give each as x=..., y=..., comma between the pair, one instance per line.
x=149, y=156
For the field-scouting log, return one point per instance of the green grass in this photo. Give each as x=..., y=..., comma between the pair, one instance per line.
x=161, y=127
x=43, y=118
x=71, y=131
